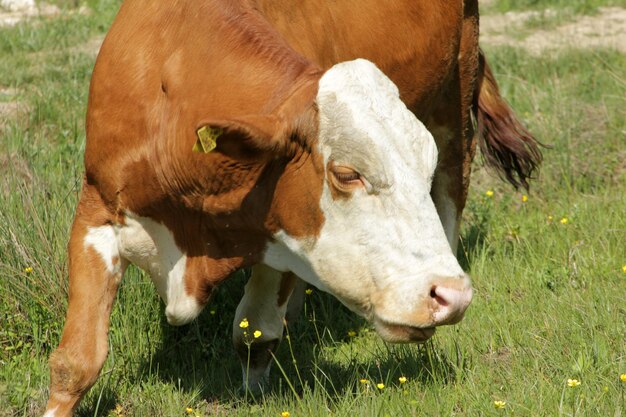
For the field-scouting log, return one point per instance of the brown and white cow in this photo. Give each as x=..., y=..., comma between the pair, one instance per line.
x=228, y=134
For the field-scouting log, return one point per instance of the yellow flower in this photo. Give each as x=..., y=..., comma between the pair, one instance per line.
x=29, y=269
x=489, y=193
x=119, y=410
x=380, y=385
x=550, y=218
x=364, y=381
x=285, y=414
x=402, y=379
x=564, y=220
x=212, y=312
x=622, y=377
x=308, y=291
x=524, y=198
x=573, y=383
x=624, y=269
x=189, y=410
x=244, y=324
x=257, y=334
x=499, y=404
x=351, y=333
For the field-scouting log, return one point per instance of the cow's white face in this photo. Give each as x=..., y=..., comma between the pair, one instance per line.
x=382, y=249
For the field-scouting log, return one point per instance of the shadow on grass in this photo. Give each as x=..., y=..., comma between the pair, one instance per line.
x=477, y=218
x=200, y=357
x=471, y=242
x=101, y=404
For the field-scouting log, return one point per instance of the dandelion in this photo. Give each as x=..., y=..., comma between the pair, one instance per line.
x=308, y=291
x=189, y=410
x=573, y=383
x=622, y=377
x=550, y=218
x=489, y=193
x=380, y=385
x=499, y=404
x=285, y=414
x=364, y=381
x=351, y=333
x=29, y=269
x=564, y=220
x=244, y=324
x=624, y=269
x=257, y=334
x=524, y=198
x=402, y=379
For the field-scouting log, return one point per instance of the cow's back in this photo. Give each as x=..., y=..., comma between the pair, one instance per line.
x=415, y=43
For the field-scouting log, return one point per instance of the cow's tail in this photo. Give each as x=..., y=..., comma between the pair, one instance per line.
x=505, y=143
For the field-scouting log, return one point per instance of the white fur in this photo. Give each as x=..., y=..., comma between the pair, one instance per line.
x=102, y=240
x=289, y=254
x=151, y=246
x=51, y=413
x=379, y=250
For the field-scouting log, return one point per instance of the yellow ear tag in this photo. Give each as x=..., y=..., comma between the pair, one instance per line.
x=207, y=139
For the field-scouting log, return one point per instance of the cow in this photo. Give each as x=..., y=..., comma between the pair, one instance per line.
x=320, y=142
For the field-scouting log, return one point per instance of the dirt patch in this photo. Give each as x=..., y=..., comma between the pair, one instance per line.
x=13, y=12
x=606, y=29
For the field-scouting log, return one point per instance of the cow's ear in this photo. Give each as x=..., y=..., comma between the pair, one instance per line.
x=291, y=126
x=262, y=133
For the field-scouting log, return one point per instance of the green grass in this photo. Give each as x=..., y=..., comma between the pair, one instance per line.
x=549, y=301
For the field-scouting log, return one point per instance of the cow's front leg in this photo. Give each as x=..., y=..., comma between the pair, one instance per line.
x=451, y=180
x=451, y=126
x=258, y=325
x=96, y=270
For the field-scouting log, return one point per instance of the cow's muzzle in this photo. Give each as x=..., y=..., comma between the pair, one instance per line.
x=443, y=302
x=398, y=333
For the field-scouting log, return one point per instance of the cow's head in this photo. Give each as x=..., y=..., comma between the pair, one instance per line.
x=378, y=245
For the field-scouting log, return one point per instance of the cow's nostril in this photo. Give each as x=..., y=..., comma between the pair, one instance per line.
x=439, y=299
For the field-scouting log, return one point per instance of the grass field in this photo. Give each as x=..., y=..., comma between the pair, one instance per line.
x=549, y=270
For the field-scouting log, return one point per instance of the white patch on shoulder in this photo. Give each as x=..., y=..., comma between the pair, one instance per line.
x=151, y=246
x=102, y=240
x=51, y=413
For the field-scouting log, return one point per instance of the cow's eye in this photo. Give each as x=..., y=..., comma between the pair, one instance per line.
x=345, y=175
